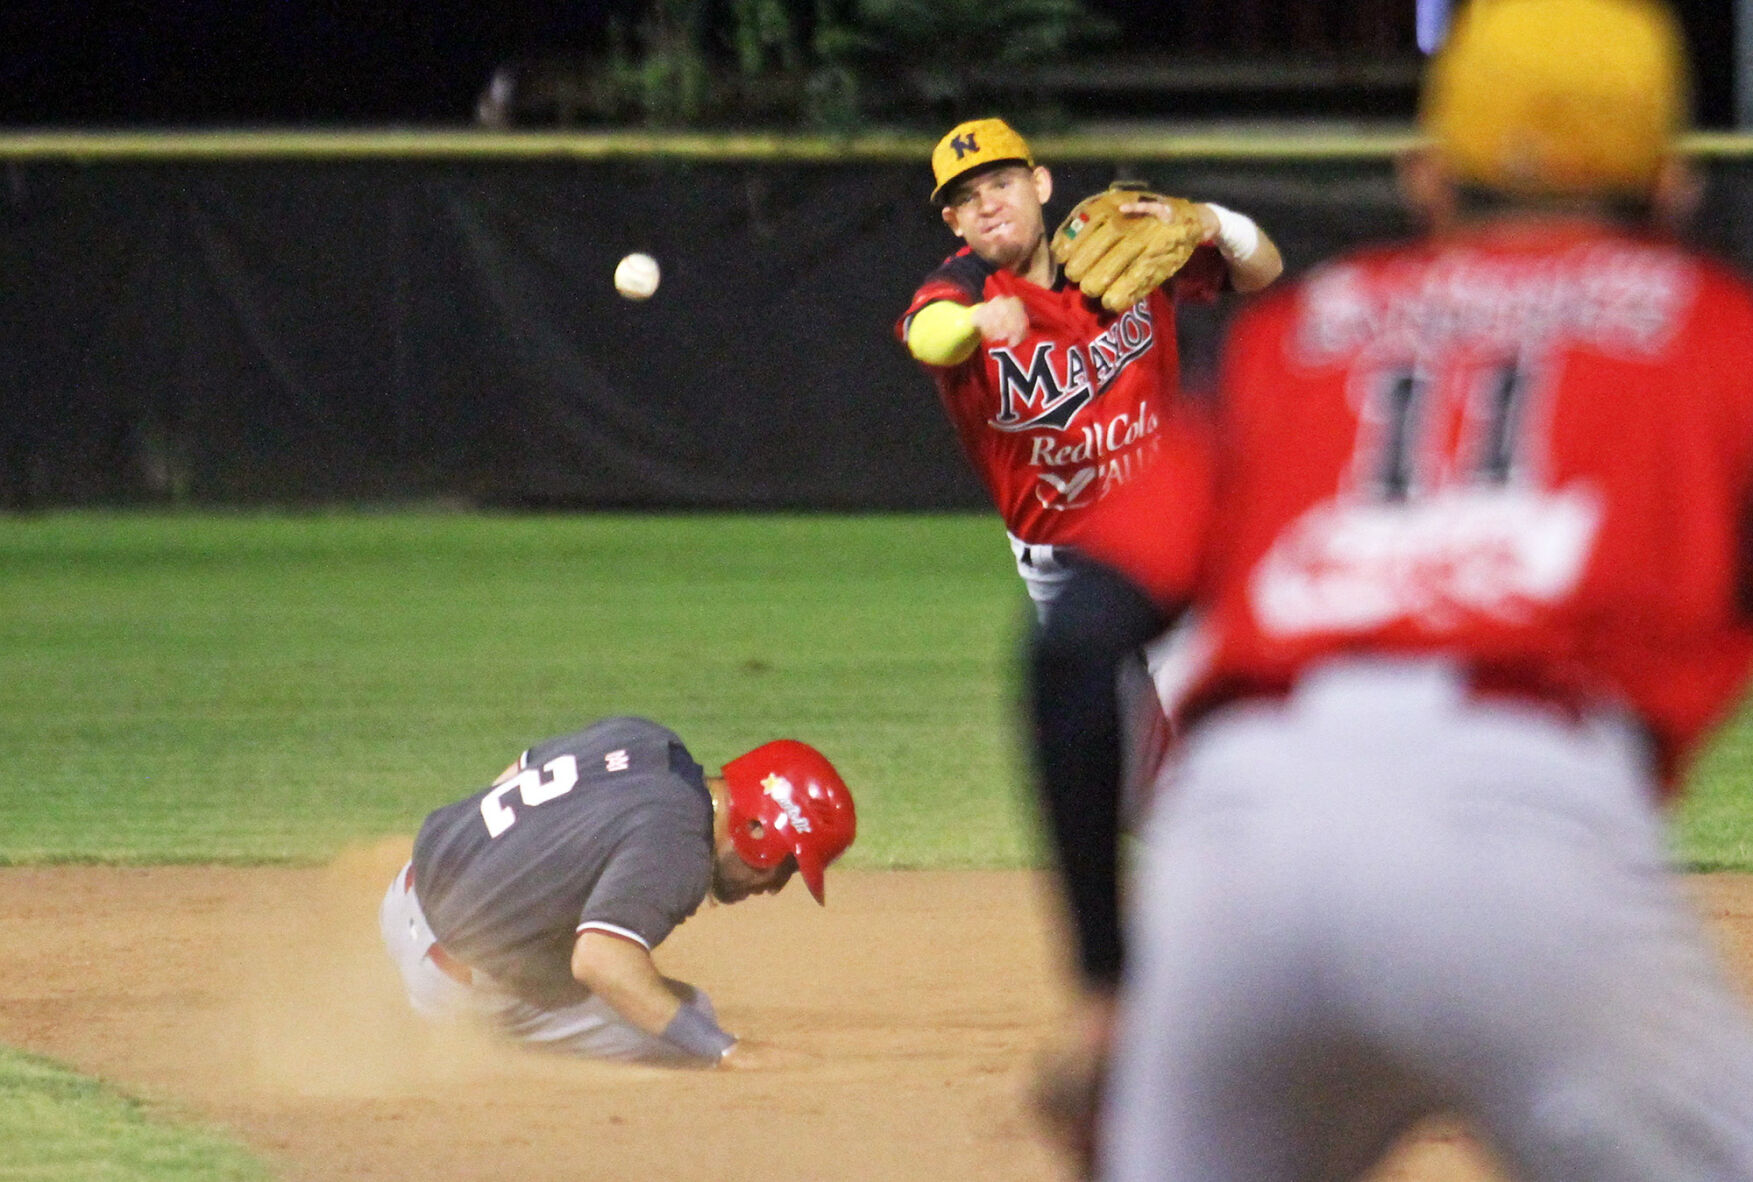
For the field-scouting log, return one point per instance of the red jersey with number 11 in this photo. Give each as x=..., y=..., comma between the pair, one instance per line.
x=1529, y=447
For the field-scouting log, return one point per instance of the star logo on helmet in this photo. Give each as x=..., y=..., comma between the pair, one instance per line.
x=785, y=796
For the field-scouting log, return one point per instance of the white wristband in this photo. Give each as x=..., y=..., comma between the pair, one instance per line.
x=1238, y=237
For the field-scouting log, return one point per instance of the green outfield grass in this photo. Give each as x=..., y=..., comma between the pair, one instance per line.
x=56, y=1125
x=1716, y=819
x=270, y=687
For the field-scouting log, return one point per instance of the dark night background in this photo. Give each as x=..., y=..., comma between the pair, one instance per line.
x=291, y=329
x=365, y=62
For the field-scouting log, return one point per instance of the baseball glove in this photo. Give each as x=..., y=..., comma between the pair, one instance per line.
x=1121, y=258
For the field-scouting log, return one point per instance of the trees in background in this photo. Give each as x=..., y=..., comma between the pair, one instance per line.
x=826, y=64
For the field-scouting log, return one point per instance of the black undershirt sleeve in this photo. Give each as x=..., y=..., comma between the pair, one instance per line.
x=1097, y=620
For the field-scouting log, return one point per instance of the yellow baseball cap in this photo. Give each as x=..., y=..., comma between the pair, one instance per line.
x=972, y=145
x=1558, y=96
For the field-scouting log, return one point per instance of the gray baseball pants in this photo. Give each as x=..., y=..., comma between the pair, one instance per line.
x=1385, y=897
x=590, y=1028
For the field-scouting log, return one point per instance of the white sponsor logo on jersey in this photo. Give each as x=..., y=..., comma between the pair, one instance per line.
x=617, y=761
x=1091, y=483
x=1095, y=440
x=1497, y=554
x=1057, y=492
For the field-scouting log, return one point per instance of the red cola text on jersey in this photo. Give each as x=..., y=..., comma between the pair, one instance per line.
x=1056, y=422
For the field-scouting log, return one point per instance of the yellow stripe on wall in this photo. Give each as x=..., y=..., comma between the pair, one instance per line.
x=1249, y=144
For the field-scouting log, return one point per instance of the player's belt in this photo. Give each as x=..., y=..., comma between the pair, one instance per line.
x=1047, y=557
x=1483, y=684
x=447, y=964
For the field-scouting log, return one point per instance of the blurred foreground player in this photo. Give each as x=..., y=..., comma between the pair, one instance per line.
x=535, y=903
x=1478, y=571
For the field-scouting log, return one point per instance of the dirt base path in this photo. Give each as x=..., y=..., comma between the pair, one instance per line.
x=892, y=1031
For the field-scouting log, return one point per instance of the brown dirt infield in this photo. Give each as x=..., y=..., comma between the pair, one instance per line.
x=890, y=1034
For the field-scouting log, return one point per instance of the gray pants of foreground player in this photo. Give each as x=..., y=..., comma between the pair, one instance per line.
x=1383, y=897
x=590, y=1028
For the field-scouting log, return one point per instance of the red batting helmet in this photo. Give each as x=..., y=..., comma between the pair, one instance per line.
x=787, y=799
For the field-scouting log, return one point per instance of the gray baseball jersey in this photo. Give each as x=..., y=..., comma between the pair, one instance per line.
x=609, y=828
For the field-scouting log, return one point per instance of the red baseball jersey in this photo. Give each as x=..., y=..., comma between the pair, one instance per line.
x=1528, y=448
x=1075, y=410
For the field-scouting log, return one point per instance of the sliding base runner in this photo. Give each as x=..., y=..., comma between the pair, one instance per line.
x=535, y=904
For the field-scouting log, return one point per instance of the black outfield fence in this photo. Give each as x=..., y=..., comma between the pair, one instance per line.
x=261, y=319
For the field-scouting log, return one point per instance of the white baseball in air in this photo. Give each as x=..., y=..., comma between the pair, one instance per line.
x=636, y=276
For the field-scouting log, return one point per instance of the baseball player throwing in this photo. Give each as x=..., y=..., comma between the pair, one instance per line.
x=1061, y=393
x=535, y=903
x=1056, y=398
x=1476, y=559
